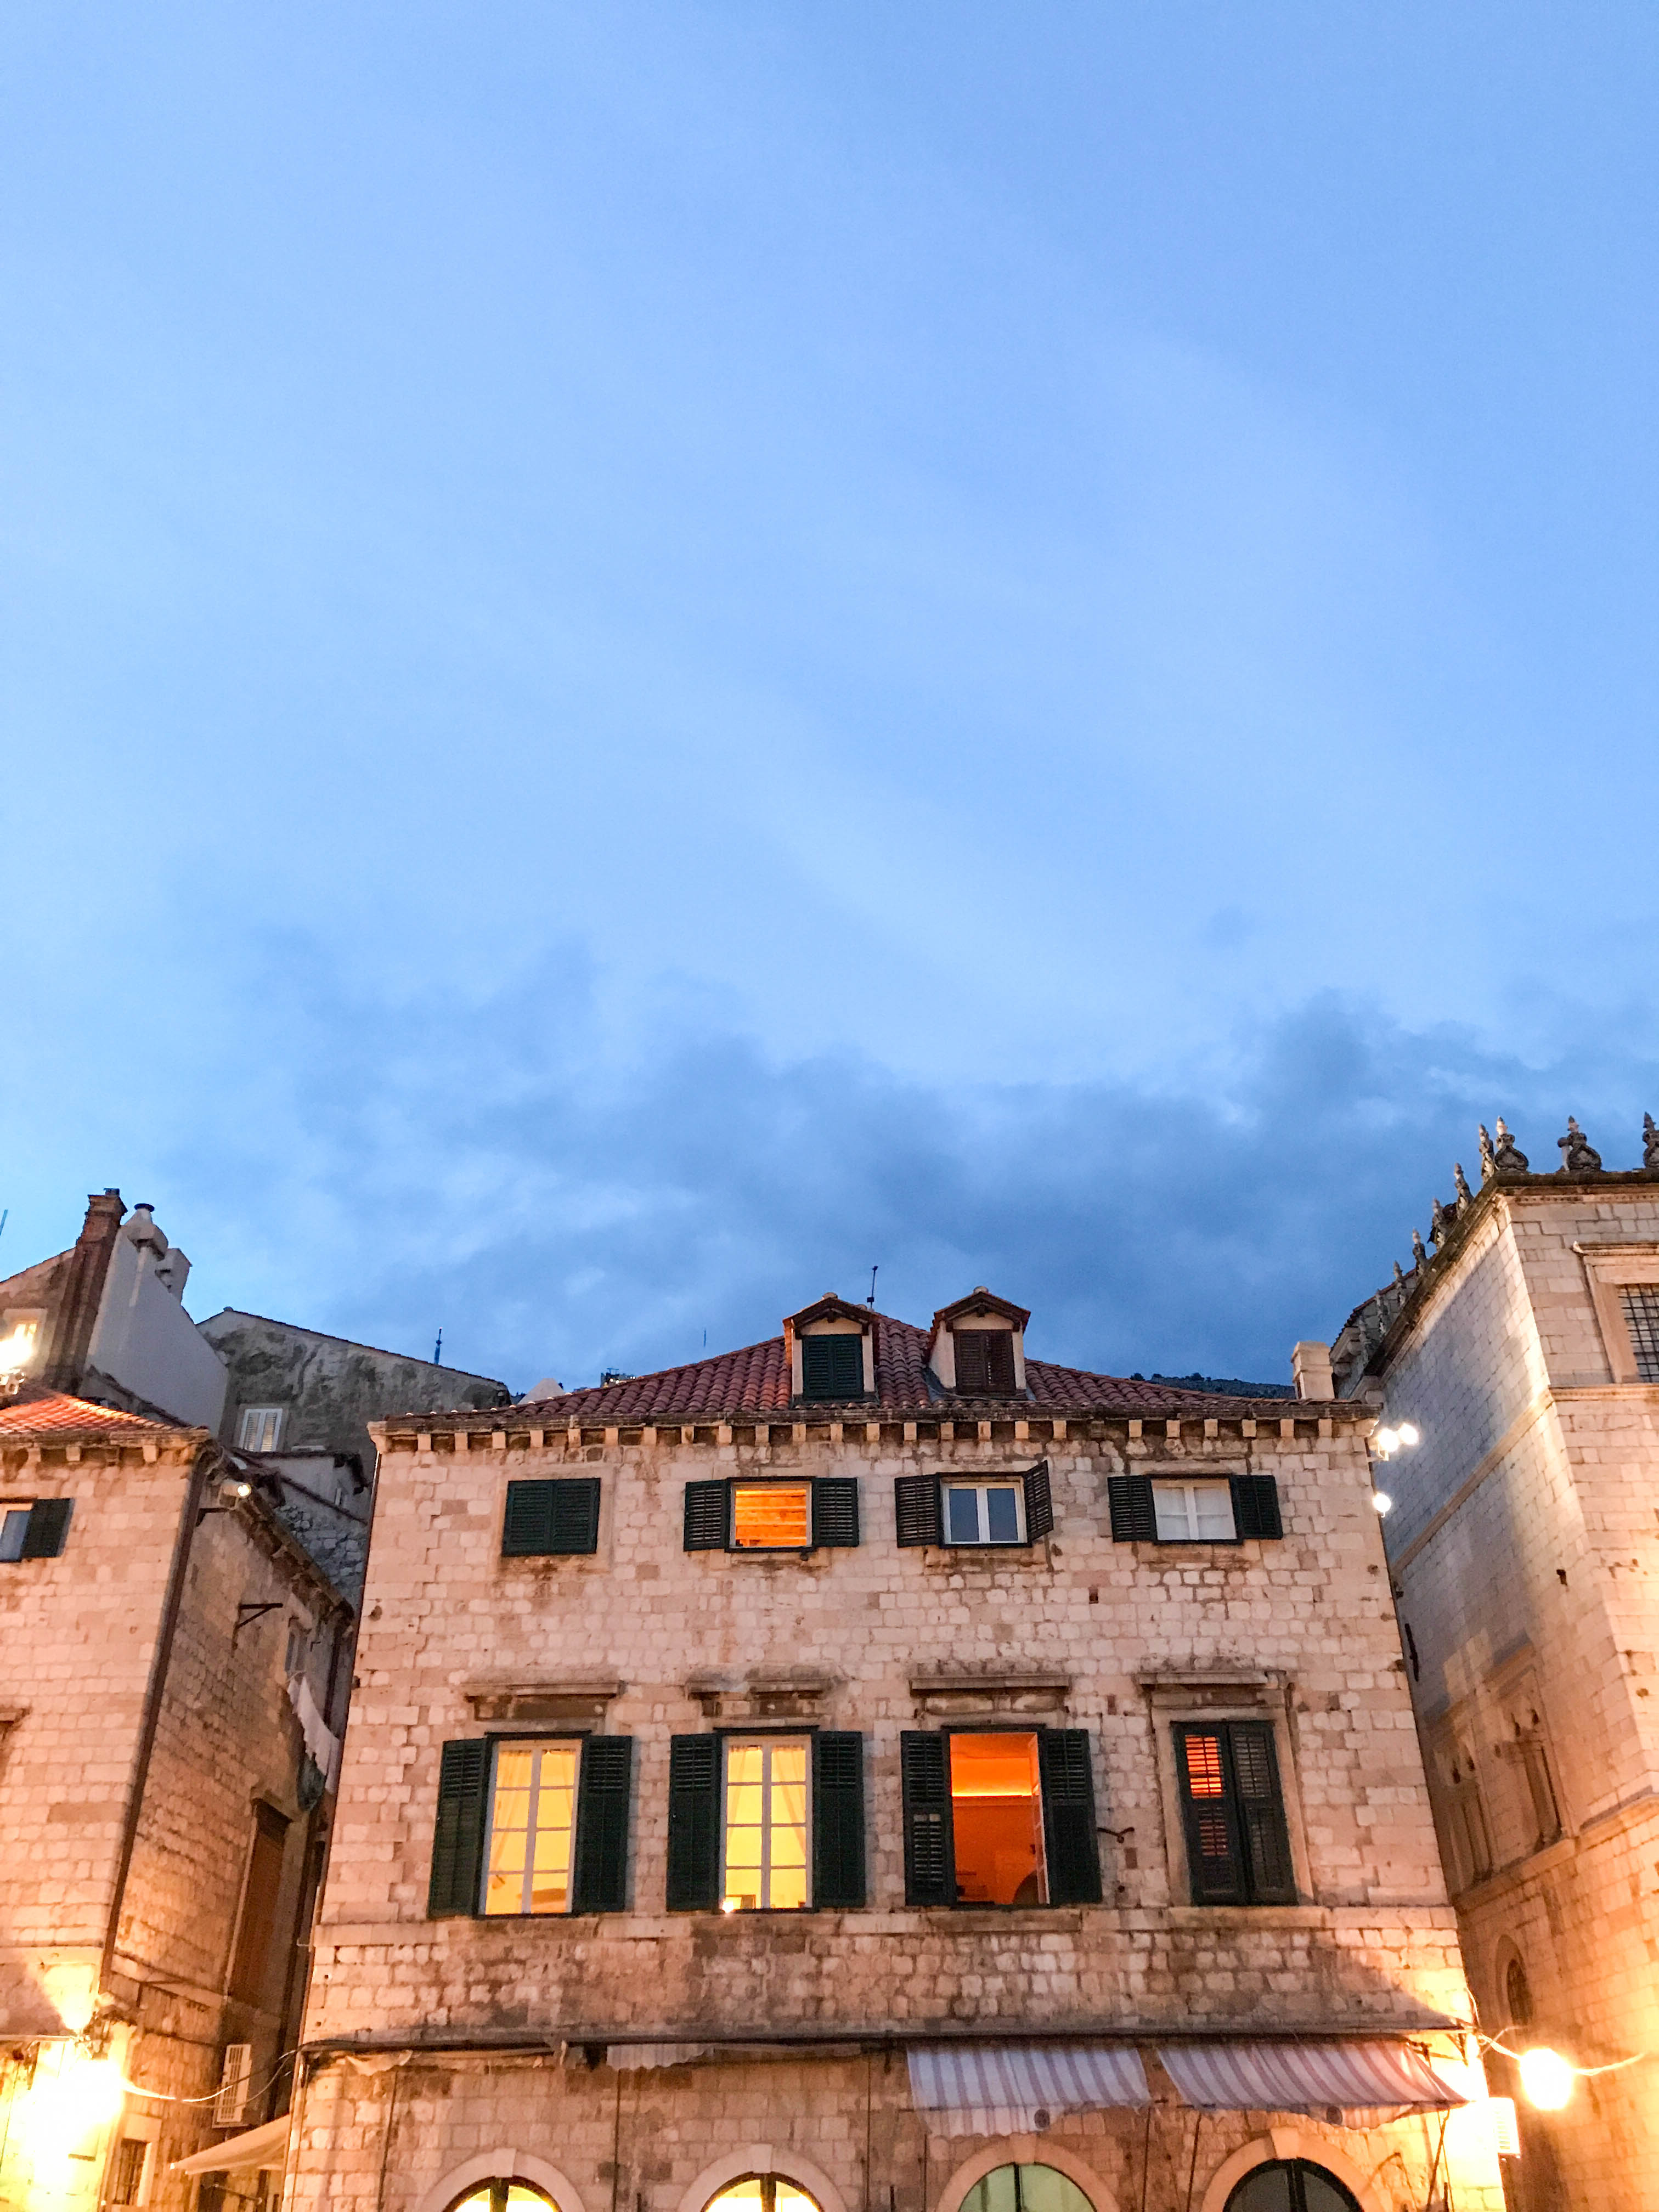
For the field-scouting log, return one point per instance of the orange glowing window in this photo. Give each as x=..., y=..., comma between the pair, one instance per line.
x=1204, y=1766
x=771, y=1516
x=996, y=1818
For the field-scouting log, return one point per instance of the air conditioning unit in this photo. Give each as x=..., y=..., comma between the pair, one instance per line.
x=235, y=2079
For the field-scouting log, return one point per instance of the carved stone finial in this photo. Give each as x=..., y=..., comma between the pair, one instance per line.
x=1508, y=1158
x=1488, y=1160
x=1578, y=1155
x=1440, y=1220
x=1650, y=1142
x=1420, y=1250
x=1399, y=1276
x=1465, y=1195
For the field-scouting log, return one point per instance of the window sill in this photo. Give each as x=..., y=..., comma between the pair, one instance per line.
x=1249, y=1916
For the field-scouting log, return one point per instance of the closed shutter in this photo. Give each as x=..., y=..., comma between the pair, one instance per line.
x=1039, y=1501
x=1261, y=1813
x=458, y=1834
x=48, y=1528
x=835, y=1511
x=1255, y=1505
x=985, y=1362
x=1068, y=1816
x=832, y=1366
x=707, y=1516
x=259, y=1903
x=599, y=1870
x=925, y=1775
x=837, y=1819
x=543, y=1519
x=916, y=1509
x=1214, y=1859
x=1134, y=1516
x=235, y=2079
x=693, y=1841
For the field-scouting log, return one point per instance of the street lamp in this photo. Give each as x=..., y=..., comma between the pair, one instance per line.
x=1546, y=2078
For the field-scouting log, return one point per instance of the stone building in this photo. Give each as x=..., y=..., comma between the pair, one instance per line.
x=173, y=1671
x=1523, y=1544
x=879, y=1769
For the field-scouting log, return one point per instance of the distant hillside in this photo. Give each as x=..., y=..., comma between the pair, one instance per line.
x=1223, y=1385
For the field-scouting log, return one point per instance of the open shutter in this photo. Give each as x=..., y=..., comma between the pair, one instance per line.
x=1214, y=1859
x=838, y=1819
x=48, y=1528
x=707, y=1516
x=925, y=1773
x=1068, y=1816
x=835, y=1510
x=458, y=1835
x=1255, y=1505
x=916, y=1509
x=693, y=1805
x=599, y=1871
x=1134, y=1516
x=1039, y=1501
x=1262, y=1813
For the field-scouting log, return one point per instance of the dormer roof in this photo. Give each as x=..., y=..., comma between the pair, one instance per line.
x=978, y=1302
x=830, y=1308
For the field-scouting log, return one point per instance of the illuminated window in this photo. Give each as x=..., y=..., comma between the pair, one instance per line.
x=1194, y=1512
x=762, y=2192
x=763, y=1859
x=1239, y=1848
x=771, y=1516
x=984, y=1513
x=502, y=2196
x=532, y=1814
x=261, y=1428
x=1025, y=2189
x=996, y=1818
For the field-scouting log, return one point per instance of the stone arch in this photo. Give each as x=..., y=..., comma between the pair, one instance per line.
x=762, y=2158
x=507, y=2164
x=1291, y=2143
x=1024, y=2150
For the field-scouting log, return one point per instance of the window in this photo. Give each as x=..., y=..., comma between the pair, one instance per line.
x=1238, y=1849
x=259, y=1901
x=502, y=2196
x=998, y=1817
x=533, y=1820
x=38, y=1530
x=764, y=1859
x=832, y=1366
x=1517, y=1992
x=762, y=2192
x=1290, y=2185
x=1466, y=1818
x=772, y=1516
x=1026, y=2189
x=1007, y=1509
x=260, y=1429
x=1194, y=1512
x=127, y=2173
x=985, y=1362
x=548, y=1519
x=984, y=1513
x=528, y=1826
x=1540, y=1788
x=1204, y=1510
x=1641, y=1303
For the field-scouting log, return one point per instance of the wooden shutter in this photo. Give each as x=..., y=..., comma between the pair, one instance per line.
x=1255, y=1505
x=707, y=1516
x=837, y=1819
x=835, y=1510
x=1261, y=1813
x=1068, y=1816
x=48, y=1528
x=1039, y=1502
x=259, y=1902
x=599, y=1868
x=547, y=1518
x=457, y=1835
x=1134, y=1515
x=916, y=1509
x=925, y=1775
x=694, y=1808
x=832, y=1366
x=1215, y=1862
x=985, y=1362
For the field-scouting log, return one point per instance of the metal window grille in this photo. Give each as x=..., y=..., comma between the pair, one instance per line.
x=1641, y=1305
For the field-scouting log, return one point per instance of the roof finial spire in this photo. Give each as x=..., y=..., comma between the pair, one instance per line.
x=1578, y=1155
x=1508, y=1158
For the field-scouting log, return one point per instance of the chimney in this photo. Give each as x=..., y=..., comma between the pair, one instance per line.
x=1311, y=1370
x=143, y=1232
x=174, y=1270
x=82, y=1292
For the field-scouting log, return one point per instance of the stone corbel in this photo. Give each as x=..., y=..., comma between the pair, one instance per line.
x=959, y=1692
x=575, y=1702
x=781, y=1693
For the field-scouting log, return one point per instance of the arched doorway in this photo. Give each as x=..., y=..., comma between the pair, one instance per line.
x=1025, y=2189
x=503, y=2195
x=762, y=2192
x=1290, y=2185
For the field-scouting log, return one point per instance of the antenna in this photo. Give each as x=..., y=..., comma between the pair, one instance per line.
x=5, y=1216
x=438, y=1350
x=872, y=1290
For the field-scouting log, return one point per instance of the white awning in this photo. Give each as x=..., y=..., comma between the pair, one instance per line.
x=1304, y=2077
x=266, y=2146
x=638, y=2058
x=1016, y=2089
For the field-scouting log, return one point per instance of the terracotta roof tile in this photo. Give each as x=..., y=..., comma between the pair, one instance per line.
x=35, y=1415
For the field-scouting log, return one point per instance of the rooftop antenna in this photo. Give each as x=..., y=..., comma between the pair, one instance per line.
x=5, y=1216
x=872, y=1290
x=438, y=1350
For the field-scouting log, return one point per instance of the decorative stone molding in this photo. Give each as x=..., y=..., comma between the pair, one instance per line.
x=956, y=1692
x=573, y=1701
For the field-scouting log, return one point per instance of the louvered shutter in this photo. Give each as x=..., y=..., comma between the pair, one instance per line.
x=1134, y=1516
x=1039, y=1501
x=835, y=1511
x=832, y=1366
x=925, y=1775
x=916, y=1509
x=707, y=1516
x=1068, y=1816
x=693, y=1841
x=48, y=1528
x=545, y=1519
x=1262, y=1813
x=1214, y=1858
x=985, y=1362
x=260, y=1900
x=837, y=1819
x=458, y=1836
x=1255, y=1505
x=600, y=1867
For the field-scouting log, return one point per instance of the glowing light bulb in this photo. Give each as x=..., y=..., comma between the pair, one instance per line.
x=1388, y=1441
x=1547, y=2079
x=1382, y=1501
x=1409, y=1434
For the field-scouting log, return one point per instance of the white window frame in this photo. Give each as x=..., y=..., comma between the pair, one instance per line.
x=1168, y=1488
x=537, y=1744
x=269, y=1417
x=982, y=1487
x=767, y=1745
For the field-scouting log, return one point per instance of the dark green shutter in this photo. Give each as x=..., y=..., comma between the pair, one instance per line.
x=547, y=1518
x=1134, y=1516
x=832, y=1366
x=1261, y=1813
x=1255, y=1505
x=600, y=1870
x=48, y=1528
x=1068, y=1816
x=916, y=1509
x=835, y=1510
x=1039, y=1502
x=837, y=1819
x=1215, y=1861
x=925, y=1776
x=694, y=1808
x=707, y=1516
x=458, y=1838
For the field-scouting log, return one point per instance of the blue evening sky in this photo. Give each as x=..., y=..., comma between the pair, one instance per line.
x=648, y=654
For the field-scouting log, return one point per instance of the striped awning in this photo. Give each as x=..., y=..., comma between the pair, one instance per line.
x=1016, y=2088
x=1304, y=2077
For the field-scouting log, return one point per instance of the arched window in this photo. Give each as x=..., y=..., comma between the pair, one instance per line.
x=762, y=2192
x=1290, y=2185
x=503, y=2195
x=1517, y=1993
x=1025, y=2189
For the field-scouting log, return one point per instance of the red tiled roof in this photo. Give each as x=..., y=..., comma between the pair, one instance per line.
x=35, y=1416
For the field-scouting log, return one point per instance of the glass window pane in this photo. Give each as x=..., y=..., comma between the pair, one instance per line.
x=738, y=2196
x=1266, y=2189
x=772, y=1516
x=743, y=1763
x=13, y=1530
x=1323, y=2192
x=995, y=2193
x=1045, y=2189
x=997, y=1820
x=789, y=1762
x=787, y=1889
x=1174, y=1521
x=961, y=1514
x=791, y=2199
x=531, y=1811
x=1212, y=1510
x=1002, y=1512
x=521, y=2193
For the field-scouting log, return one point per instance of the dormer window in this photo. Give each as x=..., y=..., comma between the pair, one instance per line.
x=985, y=1363
x=976, y=1347
x=832, y=1351
x=832, y=1367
